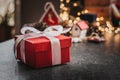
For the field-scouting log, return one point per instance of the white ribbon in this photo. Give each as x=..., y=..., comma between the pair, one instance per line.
x=49, y=33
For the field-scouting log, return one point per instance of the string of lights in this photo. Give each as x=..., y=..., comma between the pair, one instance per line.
x=101, y=23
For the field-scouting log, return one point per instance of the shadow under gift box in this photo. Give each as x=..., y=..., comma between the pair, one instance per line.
x=38, y=52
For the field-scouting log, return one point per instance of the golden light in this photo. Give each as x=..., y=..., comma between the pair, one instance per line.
x=101, y=18
x=106, y=29
x=108, y=24
x=11, y=22
x=78, y=18
x=83, y=12
x=78, y=13
x=116, y=31
x=62, y=5
x=61, y=0
x=75, y=4
x=64, y=16
x=67, y=1
x=86, y=11
x=70, y=21
x=75, y=21
x=98, y=23
x=100, y=28
x=97, y=19
x=65, y=8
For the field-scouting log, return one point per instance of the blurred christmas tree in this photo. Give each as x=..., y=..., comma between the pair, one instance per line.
x=72, y=8
x=72, y=11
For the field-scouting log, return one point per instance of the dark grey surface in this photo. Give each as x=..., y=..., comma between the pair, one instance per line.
x=89, y=61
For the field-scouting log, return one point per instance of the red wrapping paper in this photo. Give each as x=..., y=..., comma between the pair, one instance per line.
x=38, y=51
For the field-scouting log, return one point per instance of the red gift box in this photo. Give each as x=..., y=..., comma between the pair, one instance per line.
x=38, y=51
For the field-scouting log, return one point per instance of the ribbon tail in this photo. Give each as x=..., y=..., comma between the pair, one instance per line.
x=17, y=41
x=56, y=50
x=22, y=49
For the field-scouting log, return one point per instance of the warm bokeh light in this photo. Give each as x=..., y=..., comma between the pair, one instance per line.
x=118, y=29
x=78, y=18
x=83, y=12
x=65, y=8
x=75, y=4
x=67, y=1
x=101, y=23
x=70, y=21
x=62, y=5
x=64, y=16
x=97, y=19
x=11, y=22
x=75, y=21
x=101, y=18
x=61, y=0
x=101, y=29
x=98, y=23
x=78, y=13
x=86, y=11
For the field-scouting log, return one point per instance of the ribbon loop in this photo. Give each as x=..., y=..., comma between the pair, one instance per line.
x=26, y=28
x=54, y=30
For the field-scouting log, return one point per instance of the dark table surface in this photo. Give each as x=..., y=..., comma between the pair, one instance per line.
x=89, y=61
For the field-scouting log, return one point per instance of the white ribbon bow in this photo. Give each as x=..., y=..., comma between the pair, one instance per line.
x=49, y=33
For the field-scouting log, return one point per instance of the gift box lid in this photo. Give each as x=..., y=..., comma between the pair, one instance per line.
x=42, y=43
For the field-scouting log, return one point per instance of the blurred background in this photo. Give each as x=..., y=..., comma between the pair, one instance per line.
x=15, y=13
